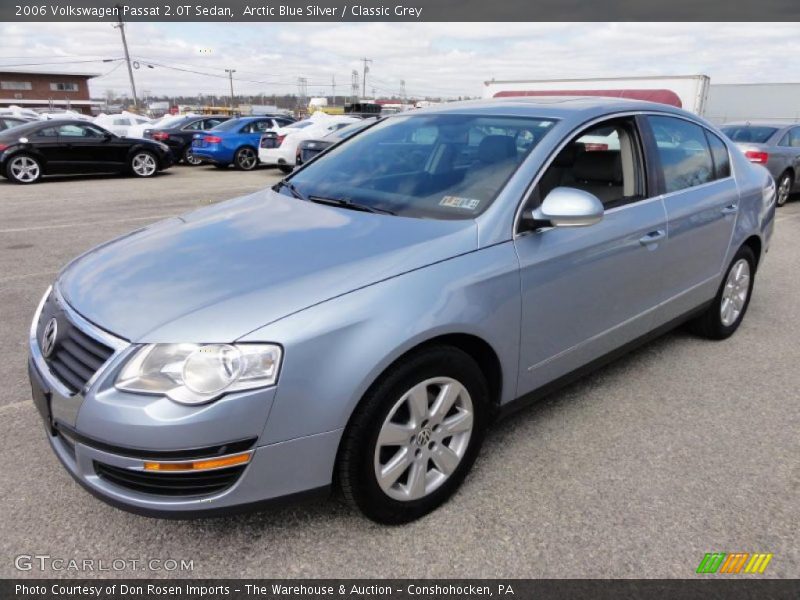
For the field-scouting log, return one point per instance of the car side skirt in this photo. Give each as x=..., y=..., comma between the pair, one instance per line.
x=509, y=408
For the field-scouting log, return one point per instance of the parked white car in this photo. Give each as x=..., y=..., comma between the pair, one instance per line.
x=122, y=123
x=287, y=138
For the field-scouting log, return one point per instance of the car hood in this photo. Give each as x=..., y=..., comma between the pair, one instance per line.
x=220, y=272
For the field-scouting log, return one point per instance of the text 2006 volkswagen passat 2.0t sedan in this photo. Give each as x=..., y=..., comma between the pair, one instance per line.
x=362, y=322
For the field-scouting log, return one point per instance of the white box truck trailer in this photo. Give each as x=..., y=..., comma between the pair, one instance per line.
x=689, y=92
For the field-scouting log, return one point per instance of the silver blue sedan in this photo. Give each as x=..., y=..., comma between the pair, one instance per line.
x=361, y=324
x=776, y=146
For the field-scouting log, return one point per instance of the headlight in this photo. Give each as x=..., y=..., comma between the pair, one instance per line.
x=195, y=373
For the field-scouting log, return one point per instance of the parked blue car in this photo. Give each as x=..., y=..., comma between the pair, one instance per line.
x=361, y=323
x=235, y=141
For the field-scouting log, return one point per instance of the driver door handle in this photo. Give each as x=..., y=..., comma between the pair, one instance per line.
x=731, y=209
x=653, y=236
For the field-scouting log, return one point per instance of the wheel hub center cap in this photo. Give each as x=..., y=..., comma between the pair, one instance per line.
x=424, y=437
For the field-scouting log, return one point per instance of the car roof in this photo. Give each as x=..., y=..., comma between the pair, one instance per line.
x=553, y=107
x=760, y=123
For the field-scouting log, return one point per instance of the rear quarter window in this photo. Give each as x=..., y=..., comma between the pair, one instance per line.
x=719, y=153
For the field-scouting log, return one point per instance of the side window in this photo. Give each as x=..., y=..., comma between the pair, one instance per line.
x=209, y=123
x=71, y=131
x=46, y=132
x=194, y=126
x=605, y=160
x=786, y=140
x=261, y=126
x=794, y=137
x=719, y=152
x=684, y=153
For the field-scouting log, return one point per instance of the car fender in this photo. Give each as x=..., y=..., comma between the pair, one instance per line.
x=334, y=351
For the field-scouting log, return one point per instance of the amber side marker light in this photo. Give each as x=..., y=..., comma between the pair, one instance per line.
x=201, y=465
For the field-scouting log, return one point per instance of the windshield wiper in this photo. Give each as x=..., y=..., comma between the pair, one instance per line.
x=291, y=187
x=342, y=203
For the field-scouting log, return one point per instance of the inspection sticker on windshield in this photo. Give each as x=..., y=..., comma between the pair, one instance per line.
x=457, y=202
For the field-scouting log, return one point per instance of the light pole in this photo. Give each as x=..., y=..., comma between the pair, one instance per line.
x=121, y=27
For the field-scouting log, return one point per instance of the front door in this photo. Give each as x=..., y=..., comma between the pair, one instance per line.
x=588, y=290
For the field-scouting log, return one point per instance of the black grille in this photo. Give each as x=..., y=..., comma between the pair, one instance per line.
x=170, y=484
x=76, y=356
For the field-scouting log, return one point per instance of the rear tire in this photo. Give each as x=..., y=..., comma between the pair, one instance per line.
x=286, y=169
x=726, y=312
x=190, y=159
x=432, y=443
x=246, y=159
x=23, y=168
x=784, y=188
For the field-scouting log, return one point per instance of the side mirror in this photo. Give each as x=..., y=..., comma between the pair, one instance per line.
x=567, y=207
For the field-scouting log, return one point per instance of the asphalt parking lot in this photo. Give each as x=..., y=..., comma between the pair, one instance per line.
x=681, y=448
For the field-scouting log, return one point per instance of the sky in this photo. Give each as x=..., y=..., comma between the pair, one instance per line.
x=434, y=59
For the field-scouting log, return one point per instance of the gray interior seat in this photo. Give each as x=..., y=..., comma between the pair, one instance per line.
x=600, y=173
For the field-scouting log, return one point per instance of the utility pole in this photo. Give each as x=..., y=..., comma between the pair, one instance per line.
x=364, y=78
x=121, y=26
x=354, y=86
x=230, y=73
x=333, y=89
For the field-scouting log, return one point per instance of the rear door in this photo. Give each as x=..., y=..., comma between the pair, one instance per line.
x=702, y=200
x=253, y=130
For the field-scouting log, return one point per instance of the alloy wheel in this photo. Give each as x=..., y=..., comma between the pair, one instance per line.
x=423, y=439
x=144, y=164
x=734, y=294
x=247, y=159
x=784, y=187
x=24, y=169
x=190, y=158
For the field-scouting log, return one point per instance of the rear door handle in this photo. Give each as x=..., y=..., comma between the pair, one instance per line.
x=731, y=209
x=653, y=236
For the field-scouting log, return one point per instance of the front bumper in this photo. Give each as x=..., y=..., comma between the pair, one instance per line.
x=103, y=437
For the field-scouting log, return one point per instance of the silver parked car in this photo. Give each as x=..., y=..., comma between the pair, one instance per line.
x=362, y=322
x=774, y=145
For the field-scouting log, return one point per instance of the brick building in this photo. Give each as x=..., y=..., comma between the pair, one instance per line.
x=46, y=90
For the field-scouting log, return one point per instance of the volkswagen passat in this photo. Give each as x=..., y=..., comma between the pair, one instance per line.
x=362, y=322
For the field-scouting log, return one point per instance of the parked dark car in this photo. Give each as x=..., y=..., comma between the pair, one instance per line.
x=9, y=122
x=236, y=141
x=308, y=149
x=179, y=135
x=28, y=152
x=776, y=146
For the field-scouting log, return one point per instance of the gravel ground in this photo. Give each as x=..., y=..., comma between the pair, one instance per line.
x=680, y=448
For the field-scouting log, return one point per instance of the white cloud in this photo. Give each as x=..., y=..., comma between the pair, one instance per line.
x=433, y=58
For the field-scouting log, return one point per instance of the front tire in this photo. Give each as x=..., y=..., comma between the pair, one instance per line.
x=144, y=164
x=414, y=436
x=246, y=159
x=726, y=312
x=23, y=169
x=784, y=188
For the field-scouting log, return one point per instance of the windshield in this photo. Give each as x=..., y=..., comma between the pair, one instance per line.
x=228, y=125
x=440, y=166
x=299, y=125
x=749, y=133
x=347, y=131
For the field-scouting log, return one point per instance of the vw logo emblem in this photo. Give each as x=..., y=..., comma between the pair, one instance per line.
x=49, y=337
x=423, y=437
